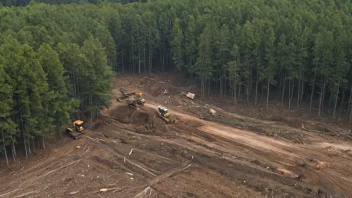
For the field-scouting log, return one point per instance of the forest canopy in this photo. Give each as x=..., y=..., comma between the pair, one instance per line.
x=57, y=58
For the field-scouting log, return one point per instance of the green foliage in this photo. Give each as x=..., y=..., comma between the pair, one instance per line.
x=56, y=60
x=50, y=68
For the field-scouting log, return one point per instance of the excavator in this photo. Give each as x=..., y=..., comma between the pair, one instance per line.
x=165, y=115
x=125, y=94
x=76, y=131
x=136, y=101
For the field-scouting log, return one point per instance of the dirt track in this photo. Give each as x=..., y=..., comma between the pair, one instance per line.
x=133, y=153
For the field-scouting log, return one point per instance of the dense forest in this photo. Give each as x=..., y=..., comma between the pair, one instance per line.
x=57, y=2
x=57, y=59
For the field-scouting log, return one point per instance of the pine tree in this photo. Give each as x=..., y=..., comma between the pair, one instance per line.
x=270, y=68
x=178, y=46
x=7, y=126
x=97, y=77
x=57, y=107
x=203, y=66
x=233, y=69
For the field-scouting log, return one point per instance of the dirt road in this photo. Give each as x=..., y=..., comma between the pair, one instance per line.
x=133, y=153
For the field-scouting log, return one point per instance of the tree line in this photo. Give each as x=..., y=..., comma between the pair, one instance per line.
x=56, y=59
x=26, y=2
x=54, y=68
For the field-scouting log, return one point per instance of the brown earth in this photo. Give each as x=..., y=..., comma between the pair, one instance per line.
x=133, y=153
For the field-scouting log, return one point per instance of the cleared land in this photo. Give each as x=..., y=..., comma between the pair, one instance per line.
x=133, y=153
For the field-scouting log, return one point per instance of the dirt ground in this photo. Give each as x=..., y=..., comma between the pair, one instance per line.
x=133, y=153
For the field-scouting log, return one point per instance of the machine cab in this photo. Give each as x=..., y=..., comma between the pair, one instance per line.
x=162, y=110
x=78, y=125
x=124, y=92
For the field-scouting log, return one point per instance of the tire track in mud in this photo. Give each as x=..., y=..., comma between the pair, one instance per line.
x=281, y=153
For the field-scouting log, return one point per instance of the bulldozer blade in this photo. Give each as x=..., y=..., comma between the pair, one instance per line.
x=133, y=106
x=74, y=135
x=78, y=137
x=167, y=120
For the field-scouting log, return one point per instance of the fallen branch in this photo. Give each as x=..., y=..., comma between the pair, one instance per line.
x=332, y=134
x=125, y=160
x=166, y=175
x=57, y=169
x=148, y=187
x=28, y=193
x=88, y=149
x=107, y=189
x=40, y=177
x=140, y=167
x=309, y=130
x=9, y=192
x=146, y=190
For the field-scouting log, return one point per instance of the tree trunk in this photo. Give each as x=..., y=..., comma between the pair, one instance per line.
x=330, y=99
x=321, y=98
x=201, y=88
x=122, y=62
x=91, y=107
x=311, y=95
x=267, y=95
x=225, y=84
x=256, y=91
x=289, y=94
x=58, y=131
x=349, y=101
x=13, y=151
x=150, y=62
x=25, y=146
x=324, y=92
x=247, y=91
x=280, y=85
x=139, y=61
x=144, y=62
x=350, y=117
x=209, y=87
x=302, y=91
x=29, y=147
x=234, y=91
x=33, y=145
x=163, y=63
x=239, y=89
x=283, y=90
x=149, y=52
x=43, y=143
x=132, y=55
x=4, y=147
x=221, y=86
x=250, y=82
x=299, y=89
x=342, y=101
x=336, y=99
x=262, y=91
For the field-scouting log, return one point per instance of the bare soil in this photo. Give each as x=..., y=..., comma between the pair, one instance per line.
x=133, y=153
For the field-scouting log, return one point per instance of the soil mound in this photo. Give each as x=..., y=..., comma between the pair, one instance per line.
x=145, y=119
x=130, y=115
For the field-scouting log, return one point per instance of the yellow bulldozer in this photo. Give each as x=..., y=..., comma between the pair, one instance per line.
x=137, y=97
x=165, y=115
x=76, y=130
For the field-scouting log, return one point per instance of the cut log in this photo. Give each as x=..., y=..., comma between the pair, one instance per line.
x=190, y=95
